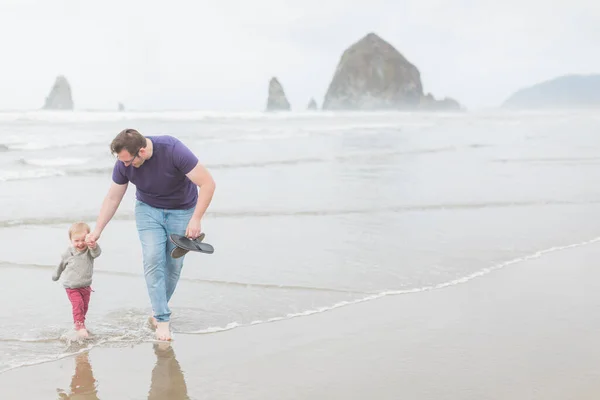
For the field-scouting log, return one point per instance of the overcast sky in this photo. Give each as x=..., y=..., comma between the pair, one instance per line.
x=200, y=55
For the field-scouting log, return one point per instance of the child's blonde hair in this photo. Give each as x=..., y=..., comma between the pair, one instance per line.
x=79, y=227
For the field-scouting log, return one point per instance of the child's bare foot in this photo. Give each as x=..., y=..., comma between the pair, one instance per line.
x=81, y=330
x=162, y=331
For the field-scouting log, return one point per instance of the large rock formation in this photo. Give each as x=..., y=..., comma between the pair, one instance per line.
x=60, y=97
x=373, y=75
x=569, y=91
x=277, y=100
x=312, y=104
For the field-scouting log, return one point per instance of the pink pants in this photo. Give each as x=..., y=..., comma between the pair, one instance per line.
x=80, y=299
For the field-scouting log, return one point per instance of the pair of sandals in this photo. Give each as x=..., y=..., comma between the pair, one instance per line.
x=183, y=245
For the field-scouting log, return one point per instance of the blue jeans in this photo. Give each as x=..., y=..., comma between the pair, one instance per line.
x=161, y=271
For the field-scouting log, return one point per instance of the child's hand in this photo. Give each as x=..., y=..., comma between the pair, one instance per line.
x=90, y=240
x=91, y=243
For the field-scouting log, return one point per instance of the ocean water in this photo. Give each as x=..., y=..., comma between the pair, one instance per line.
x=312, y=211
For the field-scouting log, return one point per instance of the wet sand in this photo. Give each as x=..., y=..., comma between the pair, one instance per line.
x=528, y=331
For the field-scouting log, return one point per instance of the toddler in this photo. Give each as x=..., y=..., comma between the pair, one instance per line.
x=76, y=268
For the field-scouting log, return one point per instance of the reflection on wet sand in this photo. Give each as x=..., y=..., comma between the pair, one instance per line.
x=167, y=378
x=167, y=381
x=83, y=383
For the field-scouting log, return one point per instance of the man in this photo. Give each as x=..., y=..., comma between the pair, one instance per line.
x=167, y=176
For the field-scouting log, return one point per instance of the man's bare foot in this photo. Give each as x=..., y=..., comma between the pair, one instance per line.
x=162, y=331
x=152, y=322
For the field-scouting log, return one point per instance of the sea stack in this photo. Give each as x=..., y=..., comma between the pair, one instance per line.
x=373, y=75
x=277, y=101
x=60, y=96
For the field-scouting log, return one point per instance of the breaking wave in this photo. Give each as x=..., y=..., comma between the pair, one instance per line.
x=78, y=166
x=127, y=216
x=53, y=162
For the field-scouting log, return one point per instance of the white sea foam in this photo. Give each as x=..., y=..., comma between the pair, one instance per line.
x=182, y=115
x=30, y=174
x=135, y=332
x=54, y=162
x=454, y=282
x=33, y=145
x=138, y=336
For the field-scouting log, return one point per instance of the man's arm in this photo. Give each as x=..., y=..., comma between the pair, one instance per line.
x=109, y=207
x=201, y=177
x=188, y=163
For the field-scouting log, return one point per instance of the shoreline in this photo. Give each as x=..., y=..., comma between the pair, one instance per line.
x=527, y=331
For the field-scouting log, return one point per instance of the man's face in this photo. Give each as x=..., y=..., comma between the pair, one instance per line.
x=131, y=159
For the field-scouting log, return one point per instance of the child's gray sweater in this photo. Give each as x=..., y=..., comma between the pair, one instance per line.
x=76, y=267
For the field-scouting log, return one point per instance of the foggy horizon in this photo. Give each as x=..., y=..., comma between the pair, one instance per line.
x=192, y=56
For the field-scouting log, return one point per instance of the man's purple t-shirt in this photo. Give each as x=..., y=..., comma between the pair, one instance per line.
x=160, y=181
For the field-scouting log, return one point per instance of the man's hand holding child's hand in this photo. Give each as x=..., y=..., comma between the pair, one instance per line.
x=90, y=240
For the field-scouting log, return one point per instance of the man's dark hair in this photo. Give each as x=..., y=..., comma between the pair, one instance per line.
x=128, y=139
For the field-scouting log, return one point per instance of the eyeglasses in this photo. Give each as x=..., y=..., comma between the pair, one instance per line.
x=128, y=162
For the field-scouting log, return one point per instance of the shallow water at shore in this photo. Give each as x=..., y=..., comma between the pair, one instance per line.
x=312, y=211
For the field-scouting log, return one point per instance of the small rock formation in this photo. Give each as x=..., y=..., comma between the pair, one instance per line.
x=277, y=101
x=373, y=75
x=121, y=107
x=428, y=102
x=312, y=104
x=60, y=97
x=568, y=91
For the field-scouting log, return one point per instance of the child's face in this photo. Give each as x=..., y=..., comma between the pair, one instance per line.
x=78, y=240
